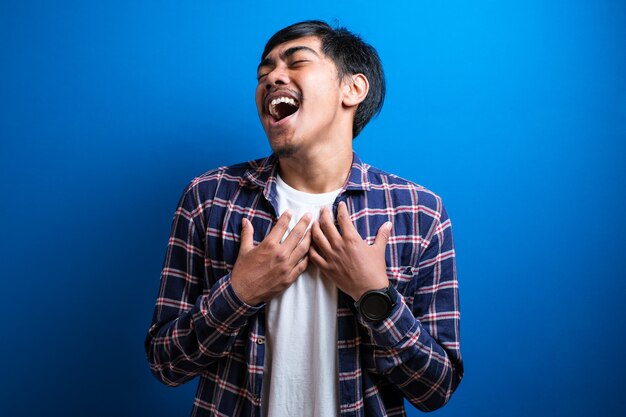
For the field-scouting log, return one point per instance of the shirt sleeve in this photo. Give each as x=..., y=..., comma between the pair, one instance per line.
x=418, y=349
x=196, y=318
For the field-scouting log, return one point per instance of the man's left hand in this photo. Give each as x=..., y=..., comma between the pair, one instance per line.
x=347, y=260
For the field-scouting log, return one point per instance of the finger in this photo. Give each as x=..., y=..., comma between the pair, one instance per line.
x=297, y=233
x=302, y=249
x=320, y=239
x=299, y=268
x=343, y=219
x=327, y=226
x=382, y=237
x=281, y=226
x=247, y=236
x=317, y=259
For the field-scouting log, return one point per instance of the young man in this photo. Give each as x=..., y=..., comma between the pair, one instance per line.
x=280, y=309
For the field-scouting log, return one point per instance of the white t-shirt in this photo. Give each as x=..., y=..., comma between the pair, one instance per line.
x=300, y=377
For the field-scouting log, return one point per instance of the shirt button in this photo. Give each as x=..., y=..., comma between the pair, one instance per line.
x=260, y=341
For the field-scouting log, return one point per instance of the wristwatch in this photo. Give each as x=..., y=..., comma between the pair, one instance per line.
x=375, y=305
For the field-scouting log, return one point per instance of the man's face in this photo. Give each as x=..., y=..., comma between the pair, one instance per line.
x=299, y=97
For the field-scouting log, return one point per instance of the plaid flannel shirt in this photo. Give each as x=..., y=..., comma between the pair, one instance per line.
x=201, y=328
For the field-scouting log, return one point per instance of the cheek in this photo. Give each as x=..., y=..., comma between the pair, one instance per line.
x=327, y=89
x=326, y=100
x=258, y=98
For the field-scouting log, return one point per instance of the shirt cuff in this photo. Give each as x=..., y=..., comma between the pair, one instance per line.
x=223, y=308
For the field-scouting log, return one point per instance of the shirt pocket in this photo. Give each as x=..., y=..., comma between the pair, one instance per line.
x=403, y=279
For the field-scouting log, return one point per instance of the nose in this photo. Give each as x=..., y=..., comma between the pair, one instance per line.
x=278, y=76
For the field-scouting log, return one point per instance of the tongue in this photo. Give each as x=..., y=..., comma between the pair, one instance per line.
x=284, y=110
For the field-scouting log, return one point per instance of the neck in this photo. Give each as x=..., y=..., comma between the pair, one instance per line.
x=323, y=171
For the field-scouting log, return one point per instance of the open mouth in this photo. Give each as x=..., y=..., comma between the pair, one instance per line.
x=282, y=107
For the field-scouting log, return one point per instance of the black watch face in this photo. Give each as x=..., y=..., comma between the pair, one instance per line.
x=375, y=306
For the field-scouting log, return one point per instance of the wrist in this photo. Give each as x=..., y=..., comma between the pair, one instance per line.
x=380, y=284
x=242, y=291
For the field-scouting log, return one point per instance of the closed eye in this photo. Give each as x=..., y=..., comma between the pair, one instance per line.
x=262, y=72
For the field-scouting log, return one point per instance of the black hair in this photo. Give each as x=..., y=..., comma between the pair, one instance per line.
x=350, y=54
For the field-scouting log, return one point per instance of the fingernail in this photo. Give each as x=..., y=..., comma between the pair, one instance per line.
x=388, y=225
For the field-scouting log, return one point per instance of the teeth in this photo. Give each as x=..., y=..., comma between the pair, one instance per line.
x=276, y=101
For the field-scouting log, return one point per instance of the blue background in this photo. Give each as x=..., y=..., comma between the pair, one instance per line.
x=514, y=112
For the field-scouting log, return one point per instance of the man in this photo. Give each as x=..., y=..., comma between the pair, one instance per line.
x=280, y=309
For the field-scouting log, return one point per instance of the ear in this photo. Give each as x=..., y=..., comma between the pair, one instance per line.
x=356, y=87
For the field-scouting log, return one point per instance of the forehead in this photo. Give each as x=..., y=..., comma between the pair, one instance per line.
x=312, y=42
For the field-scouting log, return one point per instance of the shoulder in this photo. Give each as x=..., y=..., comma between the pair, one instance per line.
x=223, y=181
x=415, y=208
x=230, y=176
x=402, y=191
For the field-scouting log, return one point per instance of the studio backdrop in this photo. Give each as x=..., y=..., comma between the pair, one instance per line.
x=513, y=112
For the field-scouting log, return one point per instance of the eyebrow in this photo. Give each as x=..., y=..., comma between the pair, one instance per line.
x=286, y=54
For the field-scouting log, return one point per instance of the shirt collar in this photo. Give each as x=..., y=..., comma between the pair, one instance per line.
x=263, y=175
x=358, y=178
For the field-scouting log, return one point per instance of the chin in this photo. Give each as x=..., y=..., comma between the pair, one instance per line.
x=283, y=144
x=285, y=151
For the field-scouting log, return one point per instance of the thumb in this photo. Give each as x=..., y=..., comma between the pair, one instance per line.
x=247, y=233
x=384, y=232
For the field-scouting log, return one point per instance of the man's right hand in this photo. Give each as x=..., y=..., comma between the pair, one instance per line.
x=264, y=271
